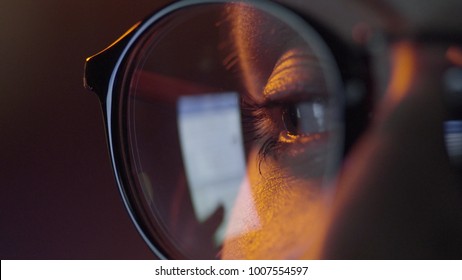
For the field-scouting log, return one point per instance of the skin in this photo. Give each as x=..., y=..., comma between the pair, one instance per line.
x=398, y=189
x=283, y=202
x=397, y=196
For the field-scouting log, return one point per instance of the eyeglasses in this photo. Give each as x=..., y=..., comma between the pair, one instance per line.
x=227, y=122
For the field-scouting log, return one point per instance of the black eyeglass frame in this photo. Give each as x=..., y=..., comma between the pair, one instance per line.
x=103, y=75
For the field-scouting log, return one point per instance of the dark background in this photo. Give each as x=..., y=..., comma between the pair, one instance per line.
x=58, y=197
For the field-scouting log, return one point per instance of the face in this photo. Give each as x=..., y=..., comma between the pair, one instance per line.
x=396, y=195
x=246, y=119
x=290, y=117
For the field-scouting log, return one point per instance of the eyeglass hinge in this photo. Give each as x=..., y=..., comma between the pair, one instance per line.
x=99, y=67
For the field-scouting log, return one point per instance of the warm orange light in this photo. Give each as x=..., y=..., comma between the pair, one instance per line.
x=454, y=55
x=403, y=70
x=277, y=216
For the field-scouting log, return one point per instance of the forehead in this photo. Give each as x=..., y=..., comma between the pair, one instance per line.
x=395, y=16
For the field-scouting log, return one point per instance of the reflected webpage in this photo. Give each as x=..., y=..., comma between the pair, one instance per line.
x=213, y=153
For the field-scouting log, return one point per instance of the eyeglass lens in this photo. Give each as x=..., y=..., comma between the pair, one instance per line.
x=231, y=131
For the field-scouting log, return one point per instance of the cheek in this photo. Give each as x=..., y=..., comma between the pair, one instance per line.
x=277, y=216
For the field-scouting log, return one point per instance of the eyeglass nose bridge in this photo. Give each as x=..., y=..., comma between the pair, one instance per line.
x=99, y=68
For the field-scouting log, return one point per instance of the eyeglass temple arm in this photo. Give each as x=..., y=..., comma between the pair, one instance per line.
x=99, y=68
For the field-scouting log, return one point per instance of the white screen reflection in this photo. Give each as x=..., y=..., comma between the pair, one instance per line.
x=213, y=153
x=453, y=138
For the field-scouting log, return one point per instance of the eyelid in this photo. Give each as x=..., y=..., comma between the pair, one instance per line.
x=293, y=97
x=297, y=72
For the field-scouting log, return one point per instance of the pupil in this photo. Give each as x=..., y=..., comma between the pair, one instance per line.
x=290, y=118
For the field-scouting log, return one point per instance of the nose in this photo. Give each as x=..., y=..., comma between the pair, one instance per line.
x=399, y=197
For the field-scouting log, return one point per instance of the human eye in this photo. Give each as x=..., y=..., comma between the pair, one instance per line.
x=303, y=120
x=292, y=122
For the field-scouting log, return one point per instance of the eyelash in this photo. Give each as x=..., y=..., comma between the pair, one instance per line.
x=258, y=122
